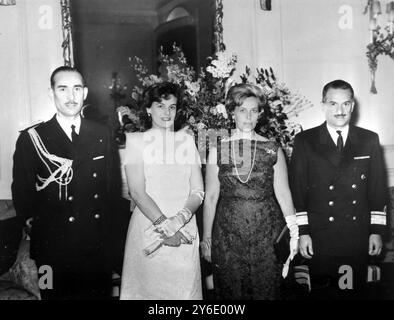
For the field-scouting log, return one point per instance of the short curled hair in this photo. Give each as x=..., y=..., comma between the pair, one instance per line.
x=156, y=93
x=239, y=92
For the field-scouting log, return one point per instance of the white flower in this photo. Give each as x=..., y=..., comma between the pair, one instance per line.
x=192, y=120
x=200, y=126
x=229, y=83
x=214, y=111
x=192, y=88
x=173, y=73
x=221, y=109
x=152, y=79
x=223, y=65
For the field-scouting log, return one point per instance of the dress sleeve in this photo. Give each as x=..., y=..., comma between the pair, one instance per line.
x=134, y=151
x=192, y=149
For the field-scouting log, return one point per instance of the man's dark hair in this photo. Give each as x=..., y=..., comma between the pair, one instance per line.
x=65, y=69
x=337, y=84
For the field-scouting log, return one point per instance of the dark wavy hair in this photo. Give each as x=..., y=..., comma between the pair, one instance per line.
x=156, y=93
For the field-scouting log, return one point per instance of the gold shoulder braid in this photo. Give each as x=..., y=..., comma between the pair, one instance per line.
x=64, y=172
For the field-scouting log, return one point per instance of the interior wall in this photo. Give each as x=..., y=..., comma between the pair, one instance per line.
x=309, y=43
x=25, y=68
x=304, y=42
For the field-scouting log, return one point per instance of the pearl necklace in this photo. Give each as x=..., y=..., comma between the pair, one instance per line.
x=251, y=168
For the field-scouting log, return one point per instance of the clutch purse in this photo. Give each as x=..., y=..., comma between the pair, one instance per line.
x=281, y=245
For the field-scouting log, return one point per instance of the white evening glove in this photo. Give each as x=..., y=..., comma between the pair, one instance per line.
x=158, y=241
x=168, y=227
x=291, y=223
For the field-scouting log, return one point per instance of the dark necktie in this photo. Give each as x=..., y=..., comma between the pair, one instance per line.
x=339, y=141
x=74, y=135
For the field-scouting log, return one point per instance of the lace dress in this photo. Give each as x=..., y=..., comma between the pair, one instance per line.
x=248, y=220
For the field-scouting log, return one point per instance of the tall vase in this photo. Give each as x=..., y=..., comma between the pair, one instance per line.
x=373, y=86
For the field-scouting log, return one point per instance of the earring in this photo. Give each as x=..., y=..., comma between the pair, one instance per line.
x=149, y=115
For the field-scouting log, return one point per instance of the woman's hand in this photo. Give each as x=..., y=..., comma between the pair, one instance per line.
x=293, y=247
x=123, y=111
x=170, y=226
x=176, y=240
x=205, y=246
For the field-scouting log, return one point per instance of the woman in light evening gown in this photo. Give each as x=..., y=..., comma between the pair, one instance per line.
x=164, y=179
x=248, y=172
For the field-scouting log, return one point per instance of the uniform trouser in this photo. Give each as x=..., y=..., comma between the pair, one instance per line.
x=87, y=278
x=338, y=268
x=338, y=277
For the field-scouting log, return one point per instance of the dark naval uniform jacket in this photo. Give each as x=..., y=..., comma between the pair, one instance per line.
x=339, y=198
x=72, y=213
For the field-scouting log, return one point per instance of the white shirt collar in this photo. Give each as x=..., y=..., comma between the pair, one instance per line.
x=334, y=135
x=66, y=124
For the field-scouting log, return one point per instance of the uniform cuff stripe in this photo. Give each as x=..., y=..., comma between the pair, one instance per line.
x=301, y=275
x=378, y=217
x=302, y=218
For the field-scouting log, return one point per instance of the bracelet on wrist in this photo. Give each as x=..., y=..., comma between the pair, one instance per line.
x=159, y=220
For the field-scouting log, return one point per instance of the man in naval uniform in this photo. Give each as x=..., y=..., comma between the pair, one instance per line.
x=65, y=181
x=338, y=183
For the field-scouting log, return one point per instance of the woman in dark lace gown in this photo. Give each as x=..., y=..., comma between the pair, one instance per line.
x=248, y=173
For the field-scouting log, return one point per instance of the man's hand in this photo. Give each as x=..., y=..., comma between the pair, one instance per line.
x=306, y=249
x=176, y=240
x=375, y=244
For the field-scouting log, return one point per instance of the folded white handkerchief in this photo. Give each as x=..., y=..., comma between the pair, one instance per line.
x=155, y=239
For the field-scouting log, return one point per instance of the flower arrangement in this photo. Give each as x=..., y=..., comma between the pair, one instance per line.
x=205, y=93
x=383, y=44
x=382, y=38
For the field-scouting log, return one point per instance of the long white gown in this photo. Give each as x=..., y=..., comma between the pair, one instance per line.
x=170, y=272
